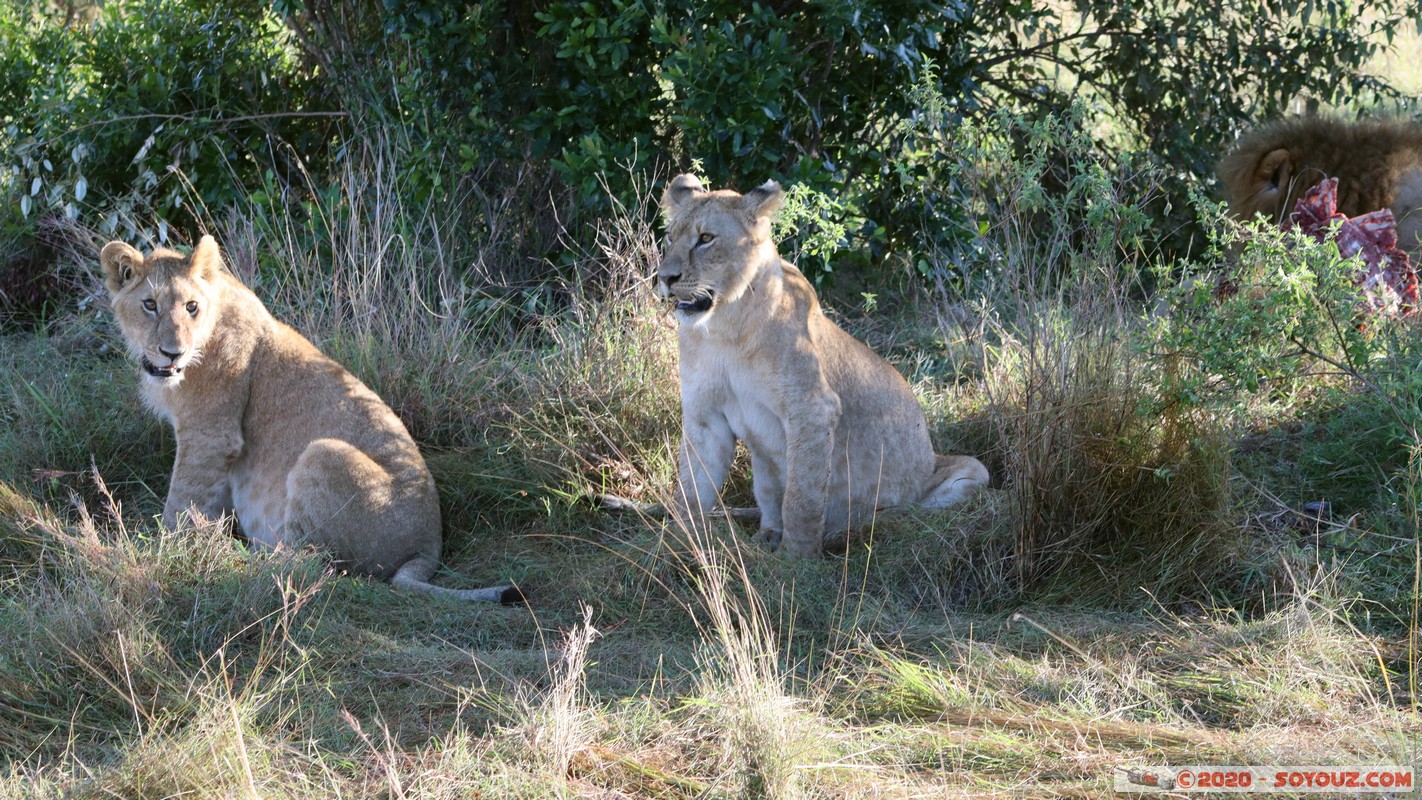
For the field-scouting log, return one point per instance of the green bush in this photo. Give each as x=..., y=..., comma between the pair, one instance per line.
x=1270, y=312
x=164, y=112
x=1110, y=495
x=1273, y=318
x=157, y=114
x=1271, y=334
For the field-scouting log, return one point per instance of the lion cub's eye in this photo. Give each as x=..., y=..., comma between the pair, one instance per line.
x=192, y=307
x=150, y=305
x=706, y=238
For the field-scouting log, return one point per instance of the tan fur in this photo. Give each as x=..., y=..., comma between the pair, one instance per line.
x=1378, y=164
x=834, y=432
x=268, y=428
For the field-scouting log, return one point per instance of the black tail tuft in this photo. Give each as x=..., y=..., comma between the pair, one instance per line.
x=513, y=596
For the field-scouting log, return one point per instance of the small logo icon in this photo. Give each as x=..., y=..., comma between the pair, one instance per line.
x=1151, y=778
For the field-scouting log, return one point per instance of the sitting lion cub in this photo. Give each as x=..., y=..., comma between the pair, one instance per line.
x=834, y=432
x=269, y=428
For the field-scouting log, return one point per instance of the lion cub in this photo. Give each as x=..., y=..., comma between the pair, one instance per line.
x=834, y=432
x=270, y=429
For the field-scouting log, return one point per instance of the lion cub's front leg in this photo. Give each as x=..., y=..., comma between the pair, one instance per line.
x=201, y=474
x=768, y=484
x=809, y=434
x=703, y=463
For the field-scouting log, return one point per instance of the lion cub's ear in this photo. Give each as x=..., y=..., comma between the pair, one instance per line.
x=121, y=262
x=763, y=201
x=680, y=191
x=206, y=260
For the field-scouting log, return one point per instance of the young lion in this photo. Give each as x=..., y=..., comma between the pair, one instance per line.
x=834, y=432
x=269, y=428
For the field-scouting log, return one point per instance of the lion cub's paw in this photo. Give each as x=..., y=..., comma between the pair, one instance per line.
x=768, y=536
x=798, y=549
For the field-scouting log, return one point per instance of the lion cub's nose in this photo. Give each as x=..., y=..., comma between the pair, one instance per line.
x=171, y=356
x=670, y=277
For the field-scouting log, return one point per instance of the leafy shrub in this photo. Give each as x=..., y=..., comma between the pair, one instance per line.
x=1272, y=316
x=156, y=114
x=1182, y=77
x=1269, y=311
x=165, y=111
x=1271, y=333
x=820, y=96
x=1111, y=490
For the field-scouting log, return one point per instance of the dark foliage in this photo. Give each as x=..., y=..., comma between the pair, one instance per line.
x=149, y=113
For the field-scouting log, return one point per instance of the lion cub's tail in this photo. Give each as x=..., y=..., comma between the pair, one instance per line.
x=955, y=478
x=412, y=577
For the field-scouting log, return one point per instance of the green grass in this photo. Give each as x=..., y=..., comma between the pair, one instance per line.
x=1171, y=612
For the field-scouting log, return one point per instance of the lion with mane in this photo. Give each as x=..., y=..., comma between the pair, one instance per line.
x=1378, y=164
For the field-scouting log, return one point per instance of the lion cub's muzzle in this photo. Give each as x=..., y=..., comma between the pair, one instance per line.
x=698, y=304
x=696, y=301
x=172, y=370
